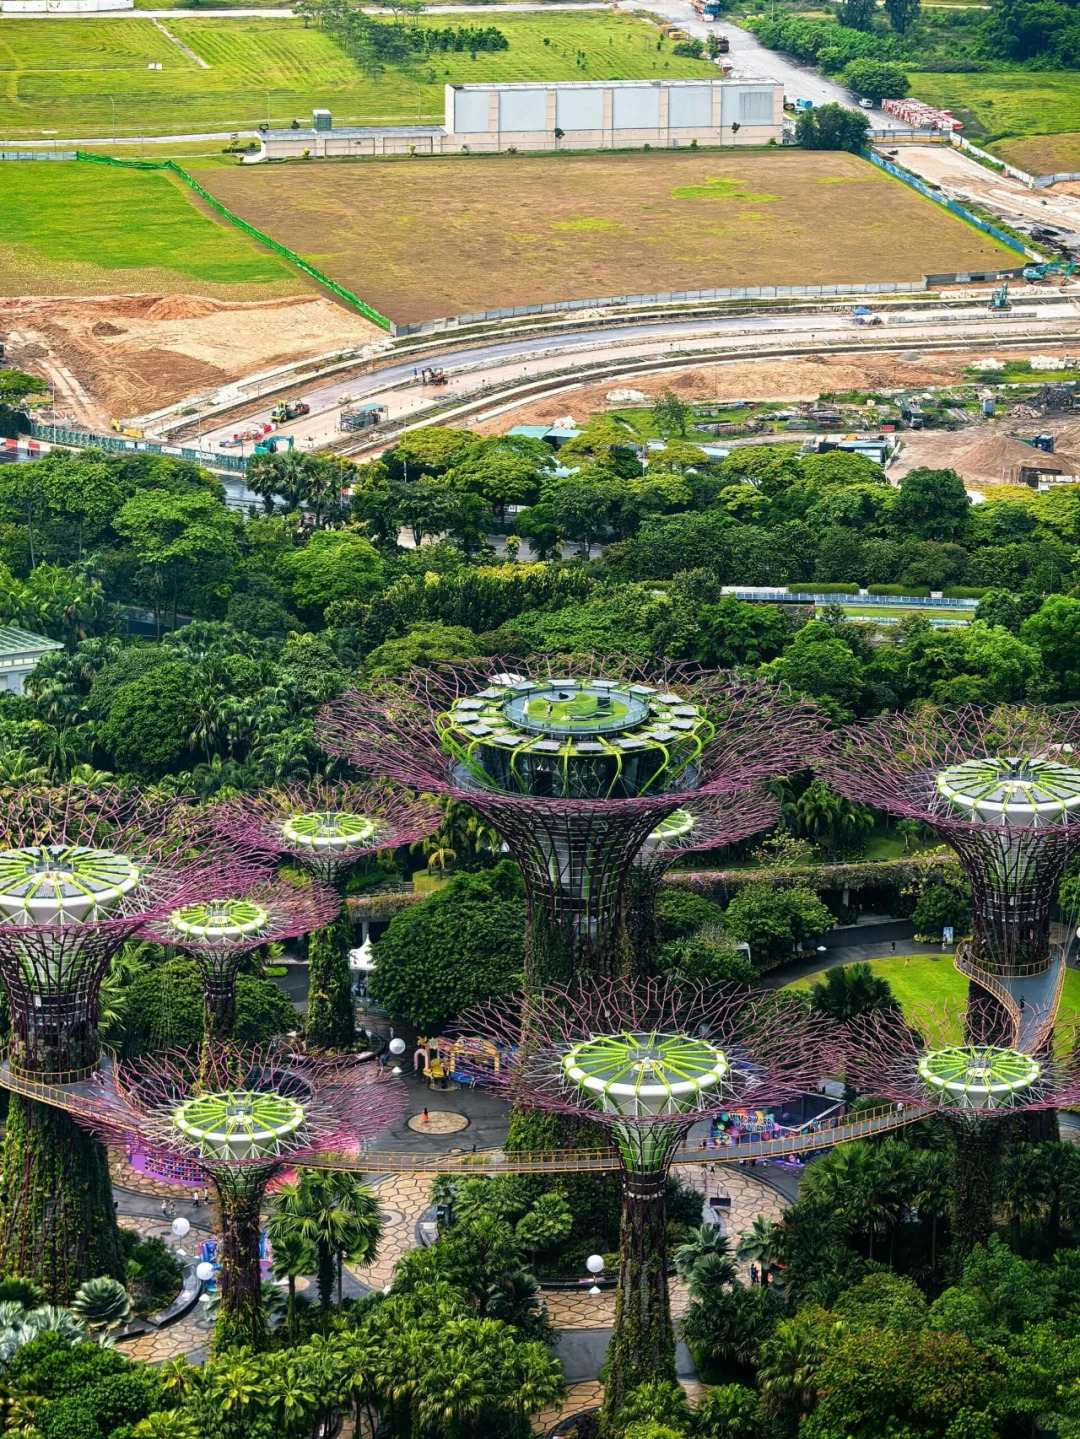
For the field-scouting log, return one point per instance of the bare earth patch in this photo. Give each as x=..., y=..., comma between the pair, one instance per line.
x=429, y=238
x=127, y=355
x=802, y=379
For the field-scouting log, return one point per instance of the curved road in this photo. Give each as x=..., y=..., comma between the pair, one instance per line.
x=495, y=369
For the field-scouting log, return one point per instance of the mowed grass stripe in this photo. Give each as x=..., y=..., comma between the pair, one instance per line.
x=61, y=216
x=65, y=72
x=1036, y=103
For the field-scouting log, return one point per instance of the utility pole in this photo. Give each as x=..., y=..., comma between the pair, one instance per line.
x=267, y=94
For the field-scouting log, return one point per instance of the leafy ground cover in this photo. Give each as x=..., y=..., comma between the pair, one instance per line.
x=90, y=77
x=86, y=228
x=1004, y=105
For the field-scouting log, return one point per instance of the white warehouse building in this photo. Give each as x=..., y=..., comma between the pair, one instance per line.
x=576, y=115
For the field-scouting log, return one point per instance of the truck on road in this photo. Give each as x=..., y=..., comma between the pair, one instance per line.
x=289, y=410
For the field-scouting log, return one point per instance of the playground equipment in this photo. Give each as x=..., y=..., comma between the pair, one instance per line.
x=465, y=1060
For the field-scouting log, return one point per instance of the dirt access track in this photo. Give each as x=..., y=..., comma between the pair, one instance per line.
x=422, y=239
x=128, y=355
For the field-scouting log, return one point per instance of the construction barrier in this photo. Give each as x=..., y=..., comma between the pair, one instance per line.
x=87, y=440
x=258, y=235
x=958, y=210
x=37, y=154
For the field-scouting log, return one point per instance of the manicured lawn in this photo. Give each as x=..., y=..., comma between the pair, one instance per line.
x=66, y=228
x=1041, y=103
x=871, y=611
x=929, y=979
x=71, y=77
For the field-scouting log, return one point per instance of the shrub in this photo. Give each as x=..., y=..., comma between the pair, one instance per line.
x=817, y=588
x=680, y=913
x=965, y=592
x=151, y=1271
x=907, y=591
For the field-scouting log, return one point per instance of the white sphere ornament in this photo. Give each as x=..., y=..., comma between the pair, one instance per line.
x=595, y=1264
x=595, y=1289
x=181, y=1227
x=397, y=1046
x=204, y=1272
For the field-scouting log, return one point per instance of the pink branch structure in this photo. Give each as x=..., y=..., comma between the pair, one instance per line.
x=647, y=1060
x=327, y=827
x=700, y=824
x=83, y=873
x=574, y=768
x=1001, y=786
x=239, y=1118
x=219, y=931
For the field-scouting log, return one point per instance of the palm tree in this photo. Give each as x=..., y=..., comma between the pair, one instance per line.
x=760, y=1244
x=293, y=1258
x=102, y=1304
x=848, y=990
x=703, y=1263
x=337, y=1214
x=790, y=1360
x=931, y=1197
x=1022, y=1187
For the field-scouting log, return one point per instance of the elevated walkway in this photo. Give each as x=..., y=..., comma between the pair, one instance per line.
x=1030, y=1000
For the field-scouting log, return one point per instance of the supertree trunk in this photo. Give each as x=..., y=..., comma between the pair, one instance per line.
x=976, y=1148
x=574, y=865
x=331, y=1014
x=57, y=1221
x=219, y=1007
x=241, y=1319
x=641, y=894
x=642, y=1347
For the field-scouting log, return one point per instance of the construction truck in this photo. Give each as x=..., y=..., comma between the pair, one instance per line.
x=273, y=445
x=707, y=9
x=289, y=410
x=428, y=376
x=999, y=300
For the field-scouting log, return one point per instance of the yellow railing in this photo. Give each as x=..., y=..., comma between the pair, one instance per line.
x=965, y=964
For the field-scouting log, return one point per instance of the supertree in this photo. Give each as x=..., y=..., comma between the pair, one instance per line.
x=218, y=932
x=700, y=824
x=237, y=1119
x=647, y=1059
x=974, y=1070
x=574, y=768
x=329, y=828
x=1001, y=786
x=84, y=872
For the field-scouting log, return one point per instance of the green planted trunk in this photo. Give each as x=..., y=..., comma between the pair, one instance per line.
x=57, y=1221
x=976, y=1149
x=642, y=1349
x=331, y=1015
x=241, y=1319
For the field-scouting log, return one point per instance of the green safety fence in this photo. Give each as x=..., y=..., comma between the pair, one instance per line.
x=258, y=235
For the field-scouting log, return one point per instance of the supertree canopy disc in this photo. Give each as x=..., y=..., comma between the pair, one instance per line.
x=219, y=931
x=84, y=873
x=1002, y=787
x=646, y=1059
x=236, y=1117
x=980, y=1077
x=328, y=827
x=574, y=768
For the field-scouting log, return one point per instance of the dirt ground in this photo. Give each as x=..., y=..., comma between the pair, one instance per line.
x=128, y=355
x=420, y=240
x=742, y=380
x=983, y=454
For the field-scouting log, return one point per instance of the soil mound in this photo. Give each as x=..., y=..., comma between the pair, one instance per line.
x=990, y=458
x=103, y=330
x=182, y=307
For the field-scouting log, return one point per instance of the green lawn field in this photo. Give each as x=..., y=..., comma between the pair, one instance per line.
x=1043, y=154
x=79, y=228
x=1015, y=104
x=930, y=979
x=897, y=612
x=90, y=77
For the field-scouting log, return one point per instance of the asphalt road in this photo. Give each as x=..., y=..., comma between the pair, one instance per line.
x=475, y=369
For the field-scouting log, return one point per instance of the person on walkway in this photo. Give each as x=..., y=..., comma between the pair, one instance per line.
x=424, y=1119
x=164, y=1210
x=753, y=1274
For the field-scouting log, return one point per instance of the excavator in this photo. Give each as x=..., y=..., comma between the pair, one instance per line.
x=1057, y=268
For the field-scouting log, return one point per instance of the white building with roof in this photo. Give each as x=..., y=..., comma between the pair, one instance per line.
x=571, y=115
x=20, y=651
